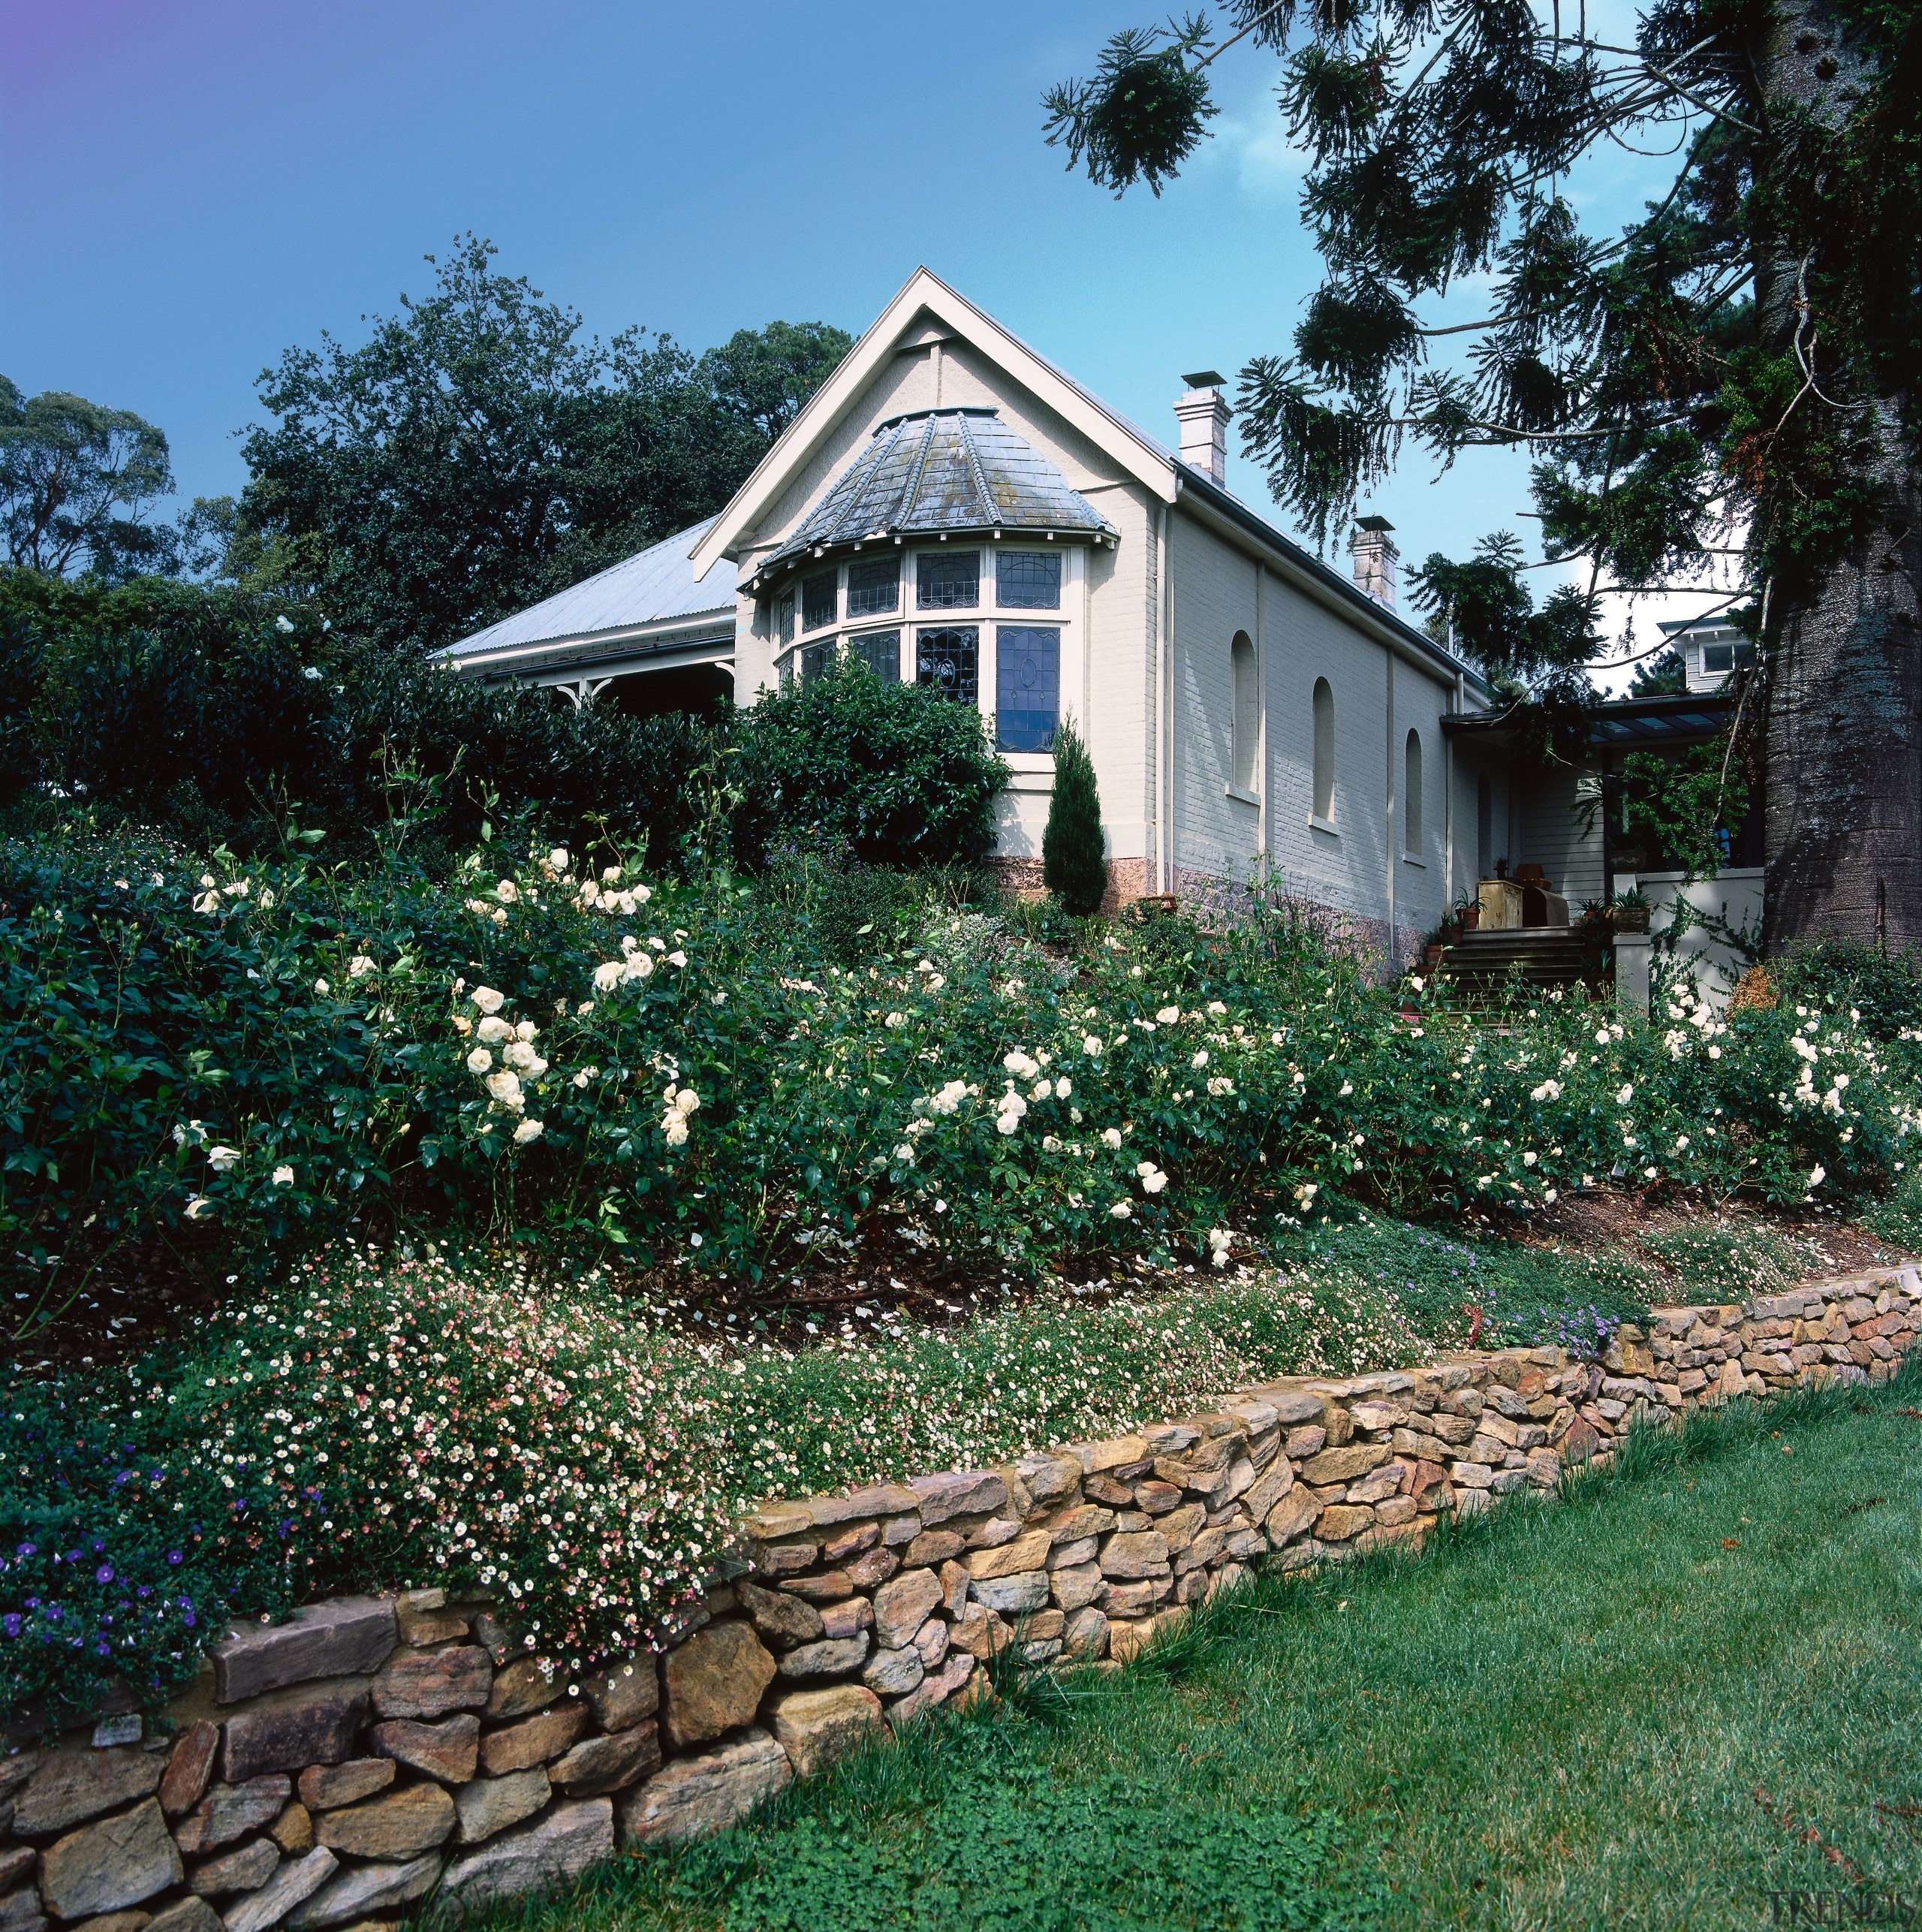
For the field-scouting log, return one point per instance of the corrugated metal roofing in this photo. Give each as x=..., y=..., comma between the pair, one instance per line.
x=943, y=469
x=659, y=583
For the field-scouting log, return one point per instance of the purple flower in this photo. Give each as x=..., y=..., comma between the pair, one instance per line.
x=27, y=1550
x=53, y=1612
x=174, y=1557
x=144, y=1590
x=188, y=1619
x=105, y=1573
x=11, y=1624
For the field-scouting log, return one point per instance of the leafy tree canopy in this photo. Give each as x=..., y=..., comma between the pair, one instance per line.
x=76, y=482
x=475, y=453
x=1719, y=363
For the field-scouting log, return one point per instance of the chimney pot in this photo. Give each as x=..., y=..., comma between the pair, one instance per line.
x=1203, y=414
x=1375, y=557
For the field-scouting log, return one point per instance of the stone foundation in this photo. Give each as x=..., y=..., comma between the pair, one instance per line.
x=335, y=1768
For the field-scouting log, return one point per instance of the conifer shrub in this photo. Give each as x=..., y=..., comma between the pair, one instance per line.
x=1073, y=857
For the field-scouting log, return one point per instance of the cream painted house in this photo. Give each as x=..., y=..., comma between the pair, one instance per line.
x=954, y=510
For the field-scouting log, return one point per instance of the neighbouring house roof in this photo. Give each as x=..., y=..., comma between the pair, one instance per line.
x=654, y=594
x=940, y=470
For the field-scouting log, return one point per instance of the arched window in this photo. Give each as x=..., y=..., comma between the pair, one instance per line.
x=1411, y=797
x=1246, y=732
x=1484, y=826
x=1324, y=750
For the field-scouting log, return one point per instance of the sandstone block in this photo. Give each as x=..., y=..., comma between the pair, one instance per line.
x=1293, y=1405
x=829, y=1587
x=894, y=1673
x=715, y=1681
x=848, y=1618
x=20, y=1911
x=1072, y=1555
x=429, y=1684
x=16, y=1863
x=833, y=1657
x=981, y=1633
x=876, y=1567
x=111, y=1864
x=1472, y=1475
x=1206, y=1548
x=1345, y=1465
x=1116, y=1452
x=449, y=1750
x=327, y=1787
x=293, y=1831
x=188, y=1767
x=850, y=1542
x=598, y=1766
x=966, y=1493
x=1395, y=1509
x=1269, y=1488
x=287, y=1729
x=1085, y=1634
x=691, y=1798
x=816, y=1727
x=1295, y=1513
x=230, y=1811
x=296, y=1882
x=533, y=1741
x=1025, y=1552
x=528, y=1683
x=902, y=1605
x=349, y=1896
x=1027, y=1590
x=931, y=1642
x=953, y=1588
x=626, y=1690
x=882, y=1499
x=1137, y=1599
x=246, y=1868
x=190, y=1915
x=400, y=1825
x=550, y=1851
x=931, y=1547
x=780, y=1619
x=423, y=1617
x=1142, y=1553
x=1075, y=1588
x=71, y=1785
x=347, y=1637
x=489, y=1806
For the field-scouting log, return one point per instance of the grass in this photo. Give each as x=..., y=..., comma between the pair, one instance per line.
x=1691, y=1684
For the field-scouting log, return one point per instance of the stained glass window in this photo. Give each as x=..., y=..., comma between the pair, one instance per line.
x=880, y=651
x=873, y=587
x=817, y=660
x=1027, y=687
x=948, y=580
x=818, y=602
x=785, y=617
x=1028, y=580
x=949, y=661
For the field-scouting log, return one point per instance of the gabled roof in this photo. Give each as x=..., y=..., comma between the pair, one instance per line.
x=641, y=591
x=942, y=470
x=924, y=294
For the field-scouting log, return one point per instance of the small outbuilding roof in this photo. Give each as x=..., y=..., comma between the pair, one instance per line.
x=647, y=590
x=940, y=470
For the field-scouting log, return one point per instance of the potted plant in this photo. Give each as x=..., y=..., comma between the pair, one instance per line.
x=1468, y=914
x=1630, y=912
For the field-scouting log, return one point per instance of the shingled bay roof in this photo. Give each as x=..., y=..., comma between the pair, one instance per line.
x=937, y=470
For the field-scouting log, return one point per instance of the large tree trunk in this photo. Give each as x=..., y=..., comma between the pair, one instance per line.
x=1842, y=819
x=1843, y=822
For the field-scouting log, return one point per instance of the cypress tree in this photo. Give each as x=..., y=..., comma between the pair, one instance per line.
x=1073, y=864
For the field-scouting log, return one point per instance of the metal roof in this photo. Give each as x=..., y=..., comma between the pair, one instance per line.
x=940, y=470
x=1665, y=721
x=655, y=585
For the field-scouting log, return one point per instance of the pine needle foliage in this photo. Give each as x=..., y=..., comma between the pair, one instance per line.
x=1074, y=855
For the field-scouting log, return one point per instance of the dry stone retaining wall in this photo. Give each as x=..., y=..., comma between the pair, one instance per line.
x=332, y=1770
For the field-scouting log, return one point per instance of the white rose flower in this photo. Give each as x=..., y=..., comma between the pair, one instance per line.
x=895, y=1020
x=1169, y=1015
x=221, y=1158
x=198, y=1206
x=494, y=1028
x=1153, y=1183
x=527, y=1131
x=1820, y=1174
x=611, y=876
x=208, y=902
x=1216, y=1007
x=676, y=1127
x=1020, y=1065
x=359, y=967
x=1063, y=1087
x=637, y=966
x=284, y=624
x=585, y=1074
x=1122, y=1210
x=487, y=999
x=506, y=891
x=1043, y=1089
x=607, y=975
x=518, y=1054
x=504, y=1087
x=687, y=1101
x=1090, y=1044
x=558, y=858
x=1200, y=1059
x=480, y=1061
x=1627, y=1094
x=1528, y=1159
x=1111, y=1136
x=1008, y=1123
x=677, y=958
x=283, y=1176
x=526, y=1030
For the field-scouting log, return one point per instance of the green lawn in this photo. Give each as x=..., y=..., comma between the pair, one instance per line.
x=1624, y=1709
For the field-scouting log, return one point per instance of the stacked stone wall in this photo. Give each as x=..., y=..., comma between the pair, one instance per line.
x=336, y=1769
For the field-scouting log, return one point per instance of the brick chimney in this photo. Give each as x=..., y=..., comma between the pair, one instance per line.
x=1204, y=414
x=1375, y=557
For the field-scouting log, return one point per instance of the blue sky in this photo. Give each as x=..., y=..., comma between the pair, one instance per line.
x=186, y=189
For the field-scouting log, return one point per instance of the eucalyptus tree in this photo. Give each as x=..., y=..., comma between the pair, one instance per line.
x=1733, y=374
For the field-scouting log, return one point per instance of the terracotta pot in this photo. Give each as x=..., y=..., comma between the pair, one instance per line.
x=1431, y=956
x=1471, y=917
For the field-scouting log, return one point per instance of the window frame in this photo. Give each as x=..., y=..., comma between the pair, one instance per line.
x=1324, y=794
x=1414, y=798
x=1244, y=719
